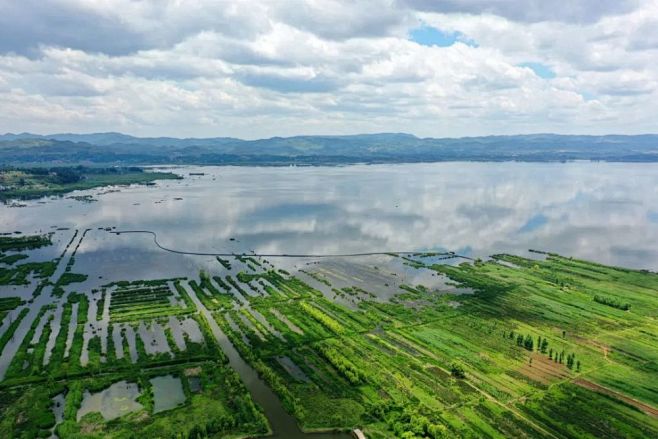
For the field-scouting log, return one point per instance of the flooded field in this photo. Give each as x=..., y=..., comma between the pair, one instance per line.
x=115, y=401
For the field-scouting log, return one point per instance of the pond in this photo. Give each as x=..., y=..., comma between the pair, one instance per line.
x=195, y=384
x=115, y=401
x=167, y=393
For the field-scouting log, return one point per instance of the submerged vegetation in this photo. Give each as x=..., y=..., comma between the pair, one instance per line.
x=511, y=347
x=12, y=272
x=23, y=242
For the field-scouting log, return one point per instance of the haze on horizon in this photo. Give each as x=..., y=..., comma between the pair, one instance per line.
x=253, y=69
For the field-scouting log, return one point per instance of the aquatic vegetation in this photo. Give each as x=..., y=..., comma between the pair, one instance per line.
x=26, y=361
x=9, y=303
x=24, y=242
x=317, y=277
x=9, y=332
x=137, y=301
x=67, y=278
x=225, y=262
x=529, y=339
x=210, y=296
x=19, y=274
x=12, y=259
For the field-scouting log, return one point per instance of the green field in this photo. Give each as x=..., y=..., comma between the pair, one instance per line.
x=553, y=347
x=392, y=368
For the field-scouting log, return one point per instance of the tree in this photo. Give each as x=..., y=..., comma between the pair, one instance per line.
x=457, y=370
x=578, y=366
x=528, y=343
x=205, y=278
x=544, y=346
x=437, y=430
x=570, y=360
x=538, y=342
x=67, y=175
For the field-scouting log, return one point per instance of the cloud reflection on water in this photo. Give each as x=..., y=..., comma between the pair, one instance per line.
x=599, y=211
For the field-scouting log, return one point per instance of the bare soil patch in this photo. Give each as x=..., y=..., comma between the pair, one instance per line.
x=543, y=369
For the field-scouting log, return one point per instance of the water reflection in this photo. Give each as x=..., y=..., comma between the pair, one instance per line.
x=600, y=211
x=113, y=402
x=167, y=393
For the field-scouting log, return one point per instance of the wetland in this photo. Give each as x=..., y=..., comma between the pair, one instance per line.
x=481, y=300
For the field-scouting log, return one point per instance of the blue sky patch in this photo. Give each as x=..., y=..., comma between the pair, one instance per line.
x=541, y=70
x=431, y=36
x=652, y=216
x=534, y=223
x=588, y=96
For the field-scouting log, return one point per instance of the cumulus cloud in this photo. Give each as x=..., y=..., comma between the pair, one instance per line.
x=119, y=27
x=27, y=25
x=257, y=69
x=336, y=19
x=582, y=11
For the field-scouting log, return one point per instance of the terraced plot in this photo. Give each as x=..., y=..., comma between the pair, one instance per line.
x=139, y=301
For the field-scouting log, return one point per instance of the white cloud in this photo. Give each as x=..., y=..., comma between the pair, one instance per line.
x=579, y=11
x=256, y=69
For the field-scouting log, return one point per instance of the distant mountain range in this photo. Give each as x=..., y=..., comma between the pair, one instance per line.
x=121, y=149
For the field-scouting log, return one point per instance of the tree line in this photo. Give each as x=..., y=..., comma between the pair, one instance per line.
x=528, y=342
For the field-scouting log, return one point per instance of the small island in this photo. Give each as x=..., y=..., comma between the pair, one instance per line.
x=37, y=182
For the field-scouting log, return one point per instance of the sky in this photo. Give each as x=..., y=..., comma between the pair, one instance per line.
x=254, y=69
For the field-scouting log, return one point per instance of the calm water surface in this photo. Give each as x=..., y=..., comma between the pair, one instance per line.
x=606, y=212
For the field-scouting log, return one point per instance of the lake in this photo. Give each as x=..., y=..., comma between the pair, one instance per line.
x=606, y=212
